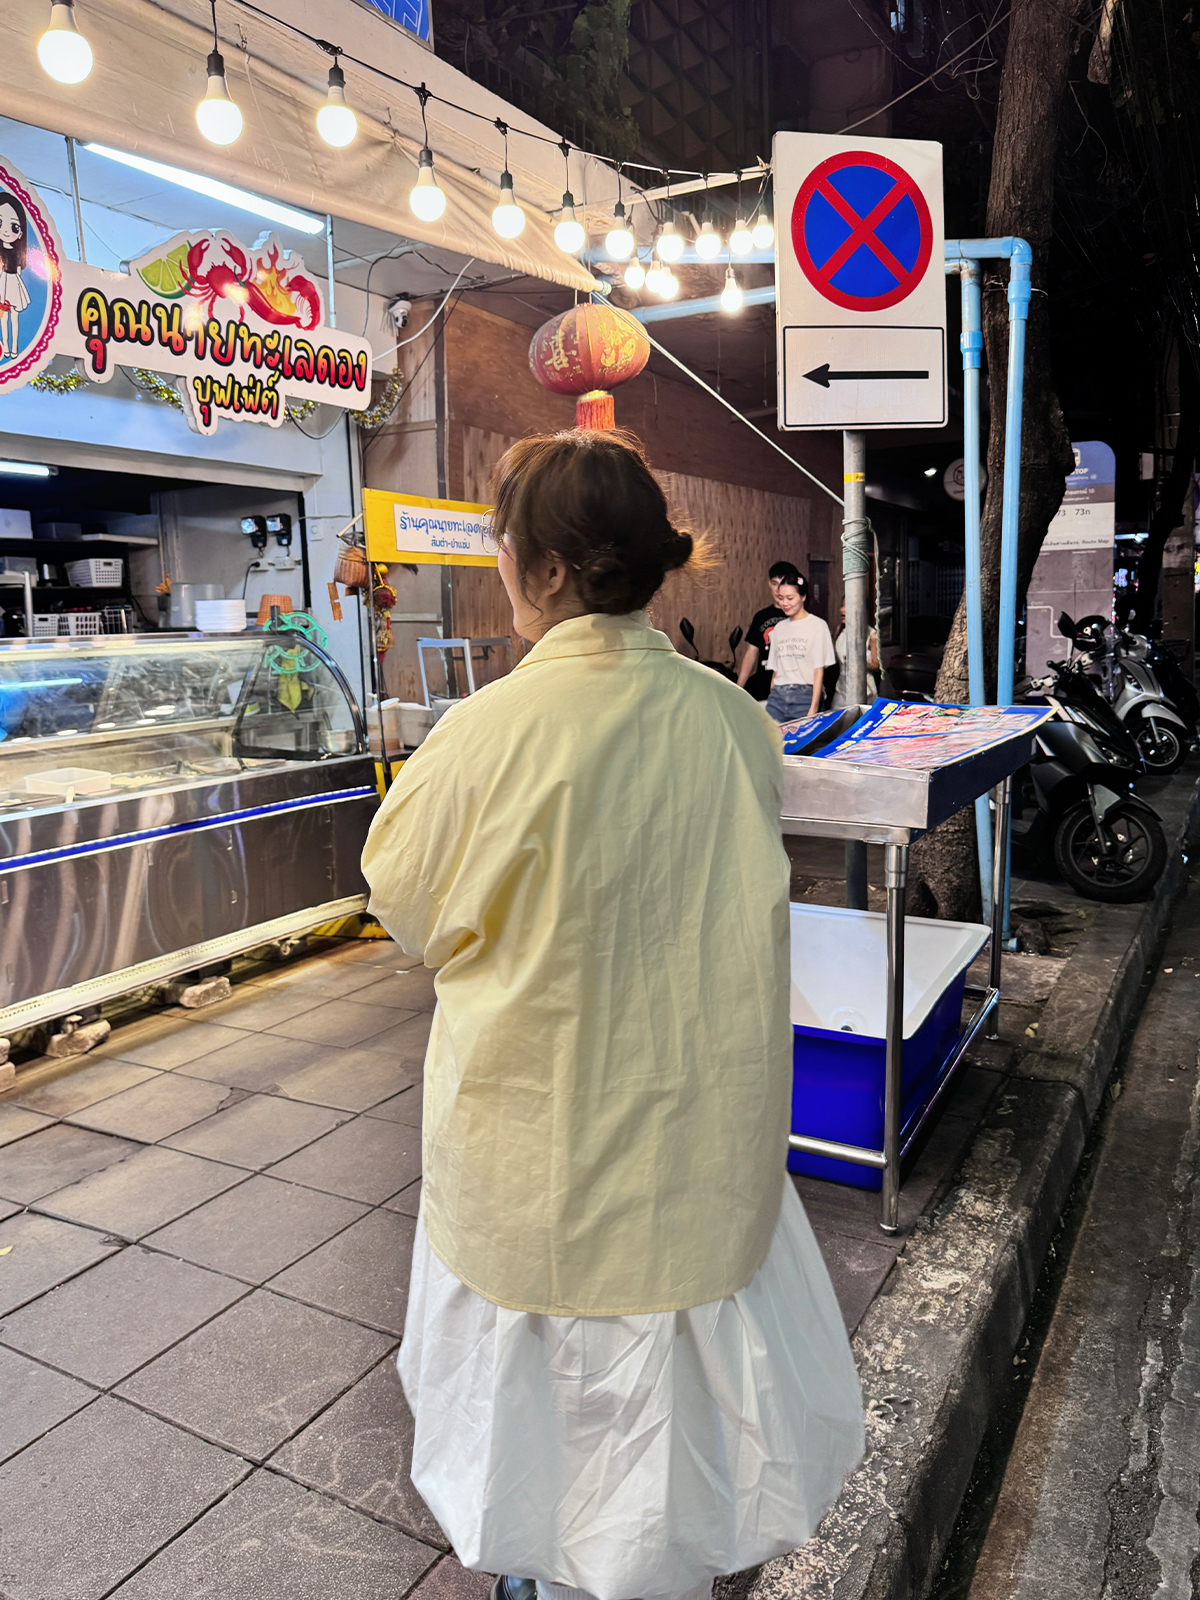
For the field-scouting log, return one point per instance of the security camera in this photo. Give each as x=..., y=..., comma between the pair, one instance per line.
x=398, y=311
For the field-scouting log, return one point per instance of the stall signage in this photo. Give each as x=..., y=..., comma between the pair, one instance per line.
x=1087, y=518
x=409, y=527
x=241, y=329
x=861, y=301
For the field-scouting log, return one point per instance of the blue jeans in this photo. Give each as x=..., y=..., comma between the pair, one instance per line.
x=790, y=701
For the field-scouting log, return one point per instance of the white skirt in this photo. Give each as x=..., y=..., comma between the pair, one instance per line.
x=636, y=1456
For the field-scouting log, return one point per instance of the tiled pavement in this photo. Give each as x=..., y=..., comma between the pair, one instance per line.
x=205, y=1235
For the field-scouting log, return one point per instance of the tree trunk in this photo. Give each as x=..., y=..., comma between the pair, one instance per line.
x=1042, y=39
x=1169, y=515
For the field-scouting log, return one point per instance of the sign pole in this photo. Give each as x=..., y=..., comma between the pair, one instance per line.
x=856, y=568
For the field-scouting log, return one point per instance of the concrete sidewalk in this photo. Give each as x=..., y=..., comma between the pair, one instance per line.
x=205, y=1234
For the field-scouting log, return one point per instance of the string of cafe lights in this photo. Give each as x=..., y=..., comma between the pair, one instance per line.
x=66, y=56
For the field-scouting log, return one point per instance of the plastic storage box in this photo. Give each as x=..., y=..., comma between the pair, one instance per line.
x=97, y=572
x=839, y=1024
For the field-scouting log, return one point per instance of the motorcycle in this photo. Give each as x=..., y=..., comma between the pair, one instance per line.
x=1107, y=842
x=1121, y=663
x=729, y=670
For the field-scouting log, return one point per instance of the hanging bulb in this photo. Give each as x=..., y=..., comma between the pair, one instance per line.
x=708, y=243
x=731, y=294
x=763, y=234
x=668, y=285
x=670, y=242
x=508, y=219
x=741, y=240
x=218, y=119
x=655, y=274
x=635, y=275
x=568, y=232
x=425, y=199
x=62, y=50
x=336, y=123
x=618, y=241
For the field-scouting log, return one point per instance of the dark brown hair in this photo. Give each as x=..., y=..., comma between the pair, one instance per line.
x=15, y=257
x=590, y=498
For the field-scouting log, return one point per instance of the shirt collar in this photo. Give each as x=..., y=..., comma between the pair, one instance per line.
x=598, y=634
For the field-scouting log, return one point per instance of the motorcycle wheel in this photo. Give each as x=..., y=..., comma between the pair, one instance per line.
x=1160, y=746
x=1133, y=868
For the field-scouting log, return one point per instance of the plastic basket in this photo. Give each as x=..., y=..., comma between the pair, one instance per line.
x=85, y=624
x=46, y=627
x=97, y=572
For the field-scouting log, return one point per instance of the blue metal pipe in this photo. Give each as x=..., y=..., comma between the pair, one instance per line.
x=764, y=296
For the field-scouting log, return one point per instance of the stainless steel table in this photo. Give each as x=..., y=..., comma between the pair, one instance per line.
x=844, y=799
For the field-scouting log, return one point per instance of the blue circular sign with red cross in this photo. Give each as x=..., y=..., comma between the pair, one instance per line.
x=861, y=231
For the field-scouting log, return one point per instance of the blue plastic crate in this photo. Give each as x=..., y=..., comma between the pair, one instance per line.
x=839, y=1011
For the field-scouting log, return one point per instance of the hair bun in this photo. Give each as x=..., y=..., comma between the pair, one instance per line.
x=676, y=550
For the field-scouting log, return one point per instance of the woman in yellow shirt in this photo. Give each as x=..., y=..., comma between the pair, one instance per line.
x=622, y=1351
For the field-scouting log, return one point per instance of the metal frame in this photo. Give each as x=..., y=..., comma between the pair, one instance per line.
x=896, y=1140
x=466, y=646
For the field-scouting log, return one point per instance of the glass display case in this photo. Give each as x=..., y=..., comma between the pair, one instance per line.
x=166, y=800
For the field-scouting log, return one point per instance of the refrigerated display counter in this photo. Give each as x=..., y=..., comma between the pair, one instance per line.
x=167, y=801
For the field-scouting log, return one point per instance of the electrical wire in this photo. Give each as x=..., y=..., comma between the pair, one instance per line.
x=431, y=321
x=929, y=77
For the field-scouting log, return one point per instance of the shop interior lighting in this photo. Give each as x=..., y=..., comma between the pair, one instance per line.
x=426, y=199
x=24, y=469
x=762, y=235
x=741, y=240
x=731, y=294
x=62, y=50
x=240, y=199
x=708, y=242
x=635, y=275
x=670, y=242
x=336, y=123
x=618, y=241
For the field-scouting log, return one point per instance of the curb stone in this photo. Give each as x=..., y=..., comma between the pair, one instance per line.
x=937, y=1342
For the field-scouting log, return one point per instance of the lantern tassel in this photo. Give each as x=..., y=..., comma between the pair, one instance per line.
x=595, y=409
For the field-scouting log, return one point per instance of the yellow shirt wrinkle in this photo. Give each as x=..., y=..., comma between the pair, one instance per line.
x=589, y=853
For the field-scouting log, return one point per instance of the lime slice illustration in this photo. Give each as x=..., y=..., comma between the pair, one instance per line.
x=167, y=276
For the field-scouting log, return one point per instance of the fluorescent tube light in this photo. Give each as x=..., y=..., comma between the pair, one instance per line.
x=242, y=199
x=23, y=469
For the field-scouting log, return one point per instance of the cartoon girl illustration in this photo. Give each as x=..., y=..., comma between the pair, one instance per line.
x=14, y=257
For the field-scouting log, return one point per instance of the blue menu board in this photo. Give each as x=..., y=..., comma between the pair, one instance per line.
x=914, y=734
x=412, y=15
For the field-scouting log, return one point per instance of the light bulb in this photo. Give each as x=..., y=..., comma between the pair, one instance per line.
x=670, y=242
x=336, y=123
x=218, y=119
x=568, y=232
x=668, y=285
x=741, y=240
x=619, y=241
x=731, y=295
x=762, y=234
x=62, y=50
x=708, y=243
x=654, y=276
x=425, y=199
x=635, y=275
x=508, y=219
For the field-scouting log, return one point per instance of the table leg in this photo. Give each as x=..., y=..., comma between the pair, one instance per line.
x=896, y=880
x=1003, y=795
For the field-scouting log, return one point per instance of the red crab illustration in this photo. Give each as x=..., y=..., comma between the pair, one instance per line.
x=271, y=291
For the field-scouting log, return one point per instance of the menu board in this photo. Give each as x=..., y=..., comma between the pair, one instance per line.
x=910, y=734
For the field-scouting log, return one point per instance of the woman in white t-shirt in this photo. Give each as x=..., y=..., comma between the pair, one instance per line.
x=839, y=701
x=801, y=648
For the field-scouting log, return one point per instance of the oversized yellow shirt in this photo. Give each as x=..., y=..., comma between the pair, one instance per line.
x=589, y=852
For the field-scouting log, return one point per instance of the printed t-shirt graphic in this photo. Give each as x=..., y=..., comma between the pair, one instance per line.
x=799, y=645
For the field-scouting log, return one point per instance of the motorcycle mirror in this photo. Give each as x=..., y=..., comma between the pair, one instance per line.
x=689, y=634
x=1066, y=626
x=735, y=639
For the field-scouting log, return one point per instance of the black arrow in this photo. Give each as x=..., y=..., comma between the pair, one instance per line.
x=824, y=377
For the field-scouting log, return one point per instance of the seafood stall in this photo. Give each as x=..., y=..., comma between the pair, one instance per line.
x=167, y=801
x=885, y=776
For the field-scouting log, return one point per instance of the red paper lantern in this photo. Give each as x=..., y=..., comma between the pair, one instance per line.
x=587, y=351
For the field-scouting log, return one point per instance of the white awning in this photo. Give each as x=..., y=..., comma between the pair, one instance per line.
x=149, y=74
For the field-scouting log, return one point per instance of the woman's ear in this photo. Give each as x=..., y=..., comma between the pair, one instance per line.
x=555, y=574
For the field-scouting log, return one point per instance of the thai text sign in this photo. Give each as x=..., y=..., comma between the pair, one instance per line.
x=408, y=527
x=1087, y=518
x=241, y=330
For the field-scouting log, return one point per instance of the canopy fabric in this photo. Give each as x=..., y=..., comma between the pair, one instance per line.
x=149, y=74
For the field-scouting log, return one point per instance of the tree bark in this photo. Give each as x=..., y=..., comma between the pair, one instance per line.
x=1042, y=39
x=1169, y=516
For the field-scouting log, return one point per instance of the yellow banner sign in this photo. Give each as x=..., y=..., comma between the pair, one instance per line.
x=409, y=527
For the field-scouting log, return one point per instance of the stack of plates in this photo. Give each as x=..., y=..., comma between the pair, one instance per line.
x=221, y=616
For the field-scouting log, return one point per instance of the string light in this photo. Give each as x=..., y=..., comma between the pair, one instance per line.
x=426, y=200
x=670, y=242
x=708, y=242
x=62, y=50
x=568, y=233
x=655, y=276
x=508, y=219
x=635, y=275
x=741, y=240
x=731, y=294
x=619, y=241
x=336, y=123
x=762, y=235
x=668, y=286
x=218, y=119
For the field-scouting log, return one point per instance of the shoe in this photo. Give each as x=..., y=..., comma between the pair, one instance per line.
x=506, y=1588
